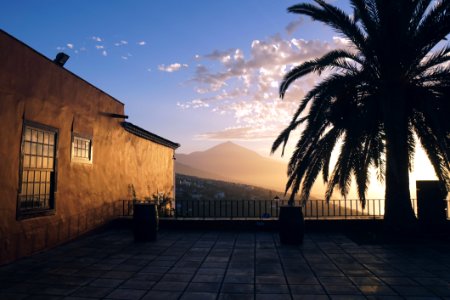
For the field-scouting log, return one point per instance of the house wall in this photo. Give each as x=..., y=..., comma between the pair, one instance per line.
x=35, y=89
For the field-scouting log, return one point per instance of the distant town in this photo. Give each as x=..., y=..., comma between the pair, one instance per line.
x=195, y=188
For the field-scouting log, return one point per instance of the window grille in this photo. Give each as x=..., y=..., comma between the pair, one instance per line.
x=37, y=180
x=81, y=149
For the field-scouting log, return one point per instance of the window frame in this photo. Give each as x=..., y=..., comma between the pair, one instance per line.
x=51, y=209
x=77, y=159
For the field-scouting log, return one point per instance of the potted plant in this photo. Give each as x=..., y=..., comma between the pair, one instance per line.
x=164, y=204
x=291, y=223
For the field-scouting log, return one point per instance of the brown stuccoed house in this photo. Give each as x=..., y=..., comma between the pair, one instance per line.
x=68, y=155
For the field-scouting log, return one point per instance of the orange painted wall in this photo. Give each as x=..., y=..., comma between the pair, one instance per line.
x=33, y=88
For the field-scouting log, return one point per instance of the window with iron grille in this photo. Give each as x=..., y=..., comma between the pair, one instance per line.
x=81, y=149
x=38, y=160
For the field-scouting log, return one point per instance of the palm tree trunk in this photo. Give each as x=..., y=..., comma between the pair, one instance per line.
x=399, y=214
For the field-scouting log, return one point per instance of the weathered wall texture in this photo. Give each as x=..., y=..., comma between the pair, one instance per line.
x=35, y=89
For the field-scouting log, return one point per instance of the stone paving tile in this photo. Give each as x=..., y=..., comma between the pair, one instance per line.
x=211, y=271
x=207, y=278
x=13, y=296
x=198, y=296
x=307, y=289
x=161, y=295
x=237, y=288
x=342, y=290
x=406, y=290
x=117, y=275
x=147, y=276
x=126, y=294
x=272, y=297
x=106, y=282
x=372, y=280
x=138, y=284
x=377, y=290
x=272, y=289
x=270, y=279
x=44, y=297
x=175, y=277
x=302, y=279
x=239, y=278
x=310, y=297
x=229, y=265
x=76, y=298
x=203, y=287
x=90, y=291
x=347, y=297
x=390, y=298
x=56, y=290
x=170, y=286
x=226, y=296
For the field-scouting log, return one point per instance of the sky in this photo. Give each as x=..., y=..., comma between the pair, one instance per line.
x=196, y=72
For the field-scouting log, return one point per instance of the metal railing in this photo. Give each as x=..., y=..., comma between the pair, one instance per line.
x=266, y=209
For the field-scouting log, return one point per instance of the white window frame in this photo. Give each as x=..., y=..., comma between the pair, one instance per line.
x=74, y=149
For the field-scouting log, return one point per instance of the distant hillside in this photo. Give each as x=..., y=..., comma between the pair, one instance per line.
x=234, y=163
x=191, y=171
x=205, y=192
x=195, y=188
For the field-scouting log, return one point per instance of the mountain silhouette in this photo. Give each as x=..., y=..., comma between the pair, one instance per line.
x=231, y=162
x=183, y=169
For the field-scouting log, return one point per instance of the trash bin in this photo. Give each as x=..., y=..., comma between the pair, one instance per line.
x=431, y=203
x=291, y=225
x=145, y=222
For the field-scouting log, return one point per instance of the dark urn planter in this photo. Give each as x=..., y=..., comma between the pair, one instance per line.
x=291, y=225
x=145, y=222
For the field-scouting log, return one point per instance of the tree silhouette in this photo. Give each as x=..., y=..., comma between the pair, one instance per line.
x=392, y=83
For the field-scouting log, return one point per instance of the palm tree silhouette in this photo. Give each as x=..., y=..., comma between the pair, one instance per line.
x=391, y=84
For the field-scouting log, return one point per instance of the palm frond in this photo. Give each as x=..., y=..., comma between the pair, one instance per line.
x=421, y=7
x=283, y=137
x=365, y=10
x=435, y=59
x=435, y=26
x=332, y=59
x=435, y=153
x=334, y=17
x=320, y=156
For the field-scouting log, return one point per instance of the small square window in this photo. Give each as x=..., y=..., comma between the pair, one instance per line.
x=81, y=149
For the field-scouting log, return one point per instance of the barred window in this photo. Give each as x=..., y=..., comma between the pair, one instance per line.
x=81, y=149
x=37, y=182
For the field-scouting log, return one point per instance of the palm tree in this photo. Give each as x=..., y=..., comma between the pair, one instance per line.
x=391, y=84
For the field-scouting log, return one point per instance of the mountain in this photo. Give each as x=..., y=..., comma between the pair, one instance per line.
x=234, y=163
x=191, y=171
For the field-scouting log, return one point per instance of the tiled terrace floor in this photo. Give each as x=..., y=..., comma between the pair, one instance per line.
x=229, y=265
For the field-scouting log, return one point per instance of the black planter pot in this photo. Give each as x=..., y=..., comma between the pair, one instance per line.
x=145, y=222
x=291, y=225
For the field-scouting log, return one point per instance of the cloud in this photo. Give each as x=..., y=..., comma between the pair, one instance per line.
x=172, y=68
x=70, y=46
x=104, y=53
x=97, y=39
x=292, y=26
x=196, y=103
x=121, y=43
x=141, y=43
x=237, y=133
x=244, y=84
x=99, y=46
